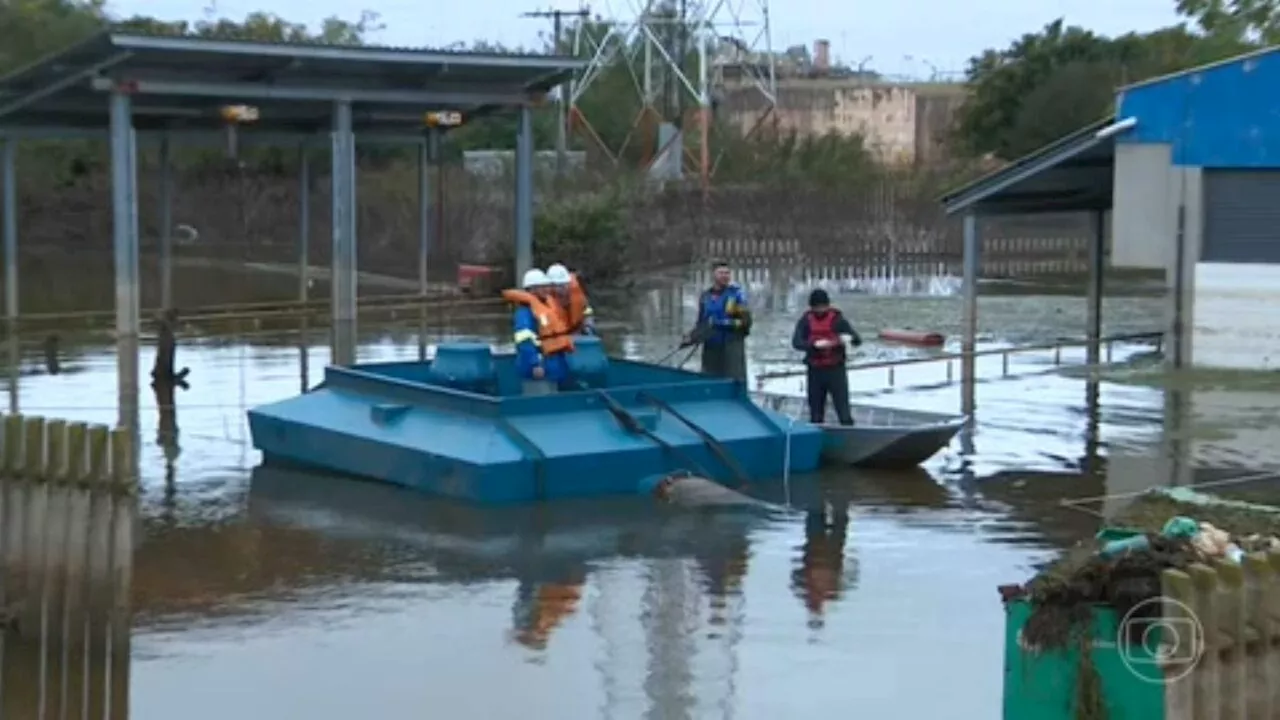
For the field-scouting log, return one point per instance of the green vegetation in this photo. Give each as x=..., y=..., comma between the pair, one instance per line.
x=1048, y=83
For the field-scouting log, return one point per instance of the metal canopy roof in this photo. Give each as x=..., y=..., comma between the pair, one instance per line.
x=1074, y=173
x=181, y=83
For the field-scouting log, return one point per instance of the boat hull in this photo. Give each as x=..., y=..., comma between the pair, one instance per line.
x=886, y=438
x=472, y=434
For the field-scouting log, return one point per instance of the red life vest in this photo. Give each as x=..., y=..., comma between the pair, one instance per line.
x=824, y=328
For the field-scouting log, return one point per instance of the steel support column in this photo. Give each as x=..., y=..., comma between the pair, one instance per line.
x=166, y=226
x=969, y=341
x=344, y=237
x=424, y=241
x=124, y=211
x=304, y=224
x=9, y=179
x=524, y=193
x=1097, y=260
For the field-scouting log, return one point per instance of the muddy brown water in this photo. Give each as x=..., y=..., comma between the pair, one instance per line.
x=268, y=594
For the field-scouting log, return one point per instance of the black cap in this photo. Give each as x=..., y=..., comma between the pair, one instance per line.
x=819, y=297
x=719, y=263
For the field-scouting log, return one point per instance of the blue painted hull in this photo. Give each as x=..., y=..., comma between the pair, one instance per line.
x=390, y=422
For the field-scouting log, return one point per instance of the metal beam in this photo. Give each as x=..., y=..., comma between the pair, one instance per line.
x=352, y=54
x=969, y=342
x=304, y=223
x=58, y=86
x=249, y=91
x=524, y=193
x=166, y=225
x=9, y=180
x=1097, y=275
x=201, y=137
x=343, y=273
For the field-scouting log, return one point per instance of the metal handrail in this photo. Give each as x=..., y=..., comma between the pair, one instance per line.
x=1107, y=341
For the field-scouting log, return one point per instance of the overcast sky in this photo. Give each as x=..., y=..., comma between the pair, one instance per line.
x=902, y=37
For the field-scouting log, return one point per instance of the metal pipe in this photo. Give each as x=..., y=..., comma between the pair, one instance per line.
x=424, y=235
x=1142, y=337
x=338, y=96
x=124, y=208
x=524, y=193
x=1178, y=356
x=972, y=260
x=344, y=237
x=9, y=179
x=1097, y=259
x=424, y=217
x=166, y=226
x=304, y=224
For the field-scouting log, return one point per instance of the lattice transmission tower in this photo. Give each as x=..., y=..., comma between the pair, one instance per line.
x=682, y=56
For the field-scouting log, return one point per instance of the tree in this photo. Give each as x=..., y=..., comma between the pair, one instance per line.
x=1243, y=21
x=1048, y=84
x=1001, y=80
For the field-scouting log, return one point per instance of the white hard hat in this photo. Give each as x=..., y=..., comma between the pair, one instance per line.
x=534, y=278
x=559, y=275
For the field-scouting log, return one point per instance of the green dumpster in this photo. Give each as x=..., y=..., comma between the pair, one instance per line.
x=1043, y=685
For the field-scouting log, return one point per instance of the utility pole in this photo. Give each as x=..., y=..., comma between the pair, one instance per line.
x=562, y=105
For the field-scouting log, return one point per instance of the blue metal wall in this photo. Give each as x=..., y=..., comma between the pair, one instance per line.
x=1221, y=116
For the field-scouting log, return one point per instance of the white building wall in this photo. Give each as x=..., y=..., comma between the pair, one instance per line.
x=1235, y=313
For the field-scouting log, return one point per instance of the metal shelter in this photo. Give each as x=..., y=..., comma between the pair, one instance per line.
x=1073, y=174
x=127, y=87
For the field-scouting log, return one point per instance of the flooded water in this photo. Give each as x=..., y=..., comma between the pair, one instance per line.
x=265, y=594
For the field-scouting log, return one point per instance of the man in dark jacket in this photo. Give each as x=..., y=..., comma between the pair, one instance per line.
x=821, y=334
x=722, y=327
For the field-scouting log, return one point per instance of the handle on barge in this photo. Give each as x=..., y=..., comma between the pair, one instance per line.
x=631, y=424
x=712, y=444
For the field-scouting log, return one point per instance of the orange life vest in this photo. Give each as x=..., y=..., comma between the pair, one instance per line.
x=552, y=603
x=553, y=332
x=577, y=309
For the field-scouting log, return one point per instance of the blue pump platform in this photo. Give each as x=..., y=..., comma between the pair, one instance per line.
x=459, y=426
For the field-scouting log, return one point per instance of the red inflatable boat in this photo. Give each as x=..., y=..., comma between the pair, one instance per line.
x=913, y=337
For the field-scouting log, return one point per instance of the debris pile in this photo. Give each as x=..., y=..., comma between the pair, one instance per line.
x=1121, y=567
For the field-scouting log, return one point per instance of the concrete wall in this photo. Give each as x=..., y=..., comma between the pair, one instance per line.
x=935, y=112
x=901, y=123
x=1226, y=307
x=1148, y=192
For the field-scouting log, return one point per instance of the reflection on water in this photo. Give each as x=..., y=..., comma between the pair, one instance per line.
x=67, y=567
x=268, y=592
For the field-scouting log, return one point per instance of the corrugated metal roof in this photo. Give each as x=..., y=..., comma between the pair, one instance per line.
x=1201, y=68
x=1045, y=159
x=58, y=90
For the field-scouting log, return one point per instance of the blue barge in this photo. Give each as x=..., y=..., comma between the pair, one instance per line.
x=459, y=426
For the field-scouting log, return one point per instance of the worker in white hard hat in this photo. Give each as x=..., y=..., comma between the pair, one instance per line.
x=541, y=335
x=573, y=299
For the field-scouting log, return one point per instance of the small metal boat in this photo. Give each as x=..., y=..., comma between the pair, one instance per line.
x=880, y=437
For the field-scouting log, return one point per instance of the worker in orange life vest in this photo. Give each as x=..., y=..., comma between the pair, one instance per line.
x=573, y=299
x=542, y=338
x=821, y=334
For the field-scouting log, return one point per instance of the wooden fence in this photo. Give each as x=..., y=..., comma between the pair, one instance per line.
x=68, y=508
x=1236, y=667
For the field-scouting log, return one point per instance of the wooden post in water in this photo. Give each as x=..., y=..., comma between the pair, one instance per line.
x=67, y=501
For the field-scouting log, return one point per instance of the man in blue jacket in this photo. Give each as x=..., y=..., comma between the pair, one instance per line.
x=722, y=327
x=821, y=334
